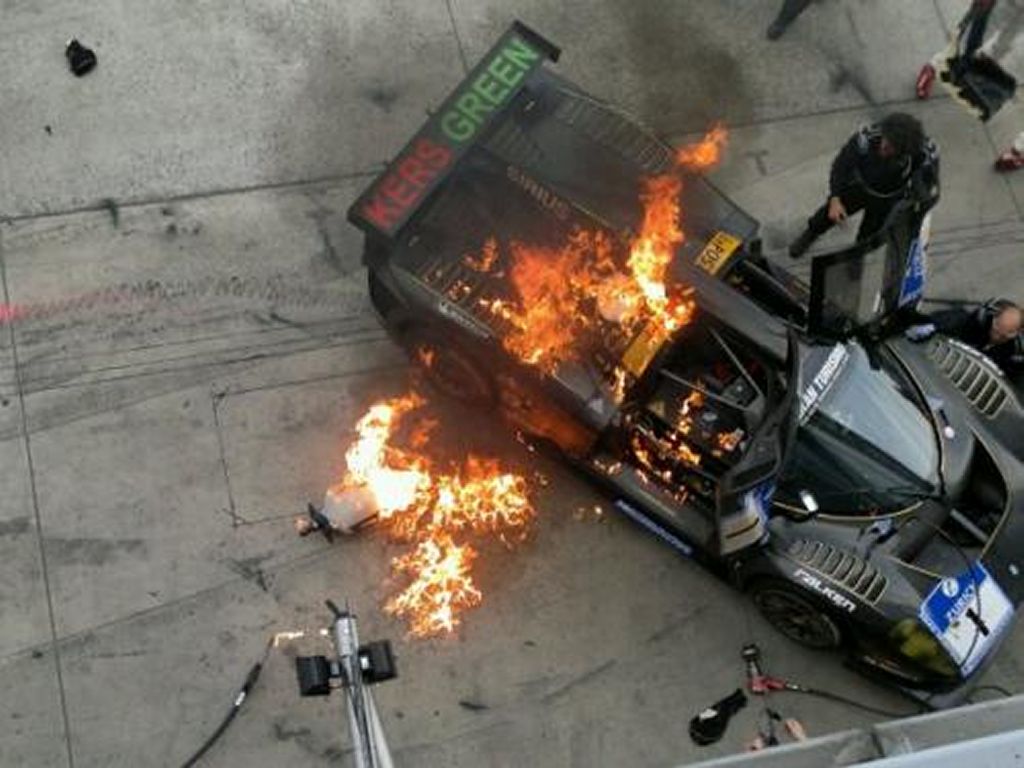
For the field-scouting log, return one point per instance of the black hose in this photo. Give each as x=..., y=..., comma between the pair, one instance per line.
x=243, y=694
x=857, y=704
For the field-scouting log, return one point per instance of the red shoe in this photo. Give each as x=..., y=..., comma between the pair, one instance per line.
x=925, y=79
x=1010, y=160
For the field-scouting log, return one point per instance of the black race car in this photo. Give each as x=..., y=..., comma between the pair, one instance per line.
x=866, y=490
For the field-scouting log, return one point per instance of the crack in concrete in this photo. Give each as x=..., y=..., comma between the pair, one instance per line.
x=458, y=37
x=579, y=680
x=27, y=439
x=216, y=398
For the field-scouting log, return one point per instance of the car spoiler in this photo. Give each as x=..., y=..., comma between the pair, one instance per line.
x=432, y=154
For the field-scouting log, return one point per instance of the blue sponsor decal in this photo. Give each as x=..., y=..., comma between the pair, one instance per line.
x=967, y=613
x=912, y=288
x=664, y=534
x=759, y=499
x=952, y=597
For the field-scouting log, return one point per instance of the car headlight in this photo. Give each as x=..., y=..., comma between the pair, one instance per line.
x=915, y=642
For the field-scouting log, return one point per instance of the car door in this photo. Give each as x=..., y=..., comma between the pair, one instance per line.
x=862, y=288
x=744, y=493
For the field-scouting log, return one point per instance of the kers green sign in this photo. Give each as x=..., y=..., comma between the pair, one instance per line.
x=489, y=90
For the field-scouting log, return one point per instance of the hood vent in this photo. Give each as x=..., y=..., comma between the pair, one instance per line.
x=982, y=386
x=614, y=130
x=852, y=572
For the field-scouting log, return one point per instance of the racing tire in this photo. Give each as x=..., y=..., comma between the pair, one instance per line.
x=449, y=368
x=796, y=616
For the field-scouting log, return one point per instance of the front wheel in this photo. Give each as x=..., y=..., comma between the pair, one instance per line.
x=795, y=616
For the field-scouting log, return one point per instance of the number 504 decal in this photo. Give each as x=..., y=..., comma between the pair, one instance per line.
x=836, y=598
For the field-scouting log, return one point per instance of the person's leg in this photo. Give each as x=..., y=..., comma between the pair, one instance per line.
x=819, y=223
x=975, y=34
x=787, y=14
x=875, y=214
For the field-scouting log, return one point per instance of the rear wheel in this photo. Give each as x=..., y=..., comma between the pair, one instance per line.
x=449, y=368
x=795, y=616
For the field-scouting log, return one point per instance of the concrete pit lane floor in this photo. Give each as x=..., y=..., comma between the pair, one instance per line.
x=200, y=343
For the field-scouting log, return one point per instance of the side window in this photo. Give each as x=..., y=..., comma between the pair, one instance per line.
x=694, y=425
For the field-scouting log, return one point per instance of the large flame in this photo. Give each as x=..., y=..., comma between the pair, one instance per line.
x=653, y=250
x=555, y=288
x=562, y=290
x=435, y=511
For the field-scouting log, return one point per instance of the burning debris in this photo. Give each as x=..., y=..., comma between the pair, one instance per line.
x=437, y=511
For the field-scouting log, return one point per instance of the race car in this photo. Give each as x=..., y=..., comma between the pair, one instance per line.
x=866, y=490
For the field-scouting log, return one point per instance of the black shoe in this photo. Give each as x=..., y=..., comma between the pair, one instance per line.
x=799, y=246
x=775, y=30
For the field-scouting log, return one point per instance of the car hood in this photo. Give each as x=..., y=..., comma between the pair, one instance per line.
x=970, y=386
x=983, y=446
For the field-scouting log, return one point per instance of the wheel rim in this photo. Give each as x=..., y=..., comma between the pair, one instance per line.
x=797, y=619
x=453, y=374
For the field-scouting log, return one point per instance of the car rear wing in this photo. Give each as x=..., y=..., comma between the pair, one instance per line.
x=861, y=288
x=433, y=153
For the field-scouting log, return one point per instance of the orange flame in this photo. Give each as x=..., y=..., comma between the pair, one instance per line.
x=486, y=260
x=429, y=509
x=653, y=250
x=425, y=355
x=441, y=586
x=727, y=441
x=706, y=152
x=554, y=286
x=561, y=290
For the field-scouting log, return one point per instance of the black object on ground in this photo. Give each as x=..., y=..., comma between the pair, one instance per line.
x=314, y=674
x=708, y=726
x=82, y=60
x=240, y=697
x=321, y=522
x=982, y=83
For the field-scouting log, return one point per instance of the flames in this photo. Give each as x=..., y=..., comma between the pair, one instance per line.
x=561, y=294
x=555, y=288
x=653, y=250
x=436, y=511
x=705, y=153
x=562, y=290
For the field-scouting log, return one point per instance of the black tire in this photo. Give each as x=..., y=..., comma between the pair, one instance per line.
x=449, y=368
x=796, y=616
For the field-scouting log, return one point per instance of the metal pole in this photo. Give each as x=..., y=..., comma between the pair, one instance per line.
x=368, y=742
x=347, y=641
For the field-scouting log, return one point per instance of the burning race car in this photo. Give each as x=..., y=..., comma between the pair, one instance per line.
x=527, y=248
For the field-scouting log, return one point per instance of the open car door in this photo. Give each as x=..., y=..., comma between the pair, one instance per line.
x=860, y=289
x=744, y=495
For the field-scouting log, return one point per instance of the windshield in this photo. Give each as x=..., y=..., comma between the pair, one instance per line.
x=864, y=444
